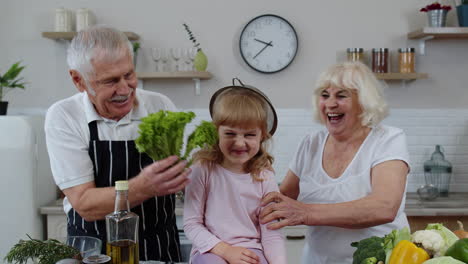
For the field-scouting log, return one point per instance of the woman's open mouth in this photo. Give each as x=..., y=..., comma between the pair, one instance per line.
x=334, y=118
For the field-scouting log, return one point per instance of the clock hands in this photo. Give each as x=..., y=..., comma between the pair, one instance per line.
x=266, y=46
x=266, y=43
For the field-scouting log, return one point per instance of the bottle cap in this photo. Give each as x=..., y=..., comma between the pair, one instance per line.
x=121, y=185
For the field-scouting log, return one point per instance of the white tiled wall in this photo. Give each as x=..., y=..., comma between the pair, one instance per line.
x=424, y=129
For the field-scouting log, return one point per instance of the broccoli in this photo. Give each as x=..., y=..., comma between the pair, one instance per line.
x=371, y=260
x=162, y=134
x=368, y=248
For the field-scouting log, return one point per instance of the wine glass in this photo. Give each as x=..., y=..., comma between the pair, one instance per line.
x=176, y=54
x=156, y=53
x=187, y=59
x=164, y=59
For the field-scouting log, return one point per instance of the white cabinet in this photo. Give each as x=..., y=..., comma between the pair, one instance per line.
x=294, y=240
x=56, y=220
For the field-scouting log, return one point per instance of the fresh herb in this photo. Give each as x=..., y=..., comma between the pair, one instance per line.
x=10, y=78
x=46, y=252
x=196, y=44
x=162, y=135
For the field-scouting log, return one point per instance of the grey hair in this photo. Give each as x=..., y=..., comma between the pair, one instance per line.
x=354, y=76
x=108, y=43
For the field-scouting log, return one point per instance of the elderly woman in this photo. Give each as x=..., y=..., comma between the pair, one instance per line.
x=346, y=182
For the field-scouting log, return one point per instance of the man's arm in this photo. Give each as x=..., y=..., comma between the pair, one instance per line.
x=157, y=179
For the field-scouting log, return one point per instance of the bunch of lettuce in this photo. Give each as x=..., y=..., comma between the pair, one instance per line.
x=162, y=135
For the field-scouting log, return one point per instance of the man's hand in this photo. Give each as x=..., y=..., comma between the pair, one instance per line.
x=164, y=177
x=289, y=212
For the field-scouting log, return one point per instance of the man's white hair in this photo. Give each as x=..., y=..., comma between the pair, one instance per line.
x=96, y=42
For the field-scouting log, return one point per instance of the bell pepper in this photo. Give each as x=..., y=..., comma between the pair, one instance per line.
x=406, y=252
x=459, y=250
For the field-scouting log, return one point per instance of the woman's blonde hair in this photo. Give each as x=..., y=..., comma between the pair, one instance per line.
x=354, y=76
x=244, y=109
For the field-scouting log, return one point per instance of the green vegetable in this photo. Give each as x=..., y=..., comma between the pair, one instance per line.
x=448, y=236
x=204, y=134
x=443, y=260
x=368, y=248
x=46, y=252
x=372, y=260
x=393, y=238
x=162, y=134
x=459, y=250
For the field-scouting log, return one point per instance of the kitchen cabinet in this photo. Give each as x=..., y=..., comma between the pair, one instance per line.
x=428, y=33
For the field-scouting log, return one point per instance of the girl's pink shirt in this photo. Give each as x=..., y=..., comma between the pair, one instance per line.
x=224, y=206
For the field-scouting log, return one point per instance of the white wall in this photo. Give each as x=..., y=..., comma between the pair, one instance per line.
x=325, y=28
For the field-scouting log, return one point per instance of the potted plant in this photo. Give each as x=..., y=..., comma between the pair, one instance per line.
x=136, y=47
x=200, y=61
x=10, y=80
x=436, y=14
x=462, y=13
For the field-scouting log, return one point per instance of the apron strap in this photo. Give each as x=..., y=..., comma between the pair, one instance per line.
x=93, y=131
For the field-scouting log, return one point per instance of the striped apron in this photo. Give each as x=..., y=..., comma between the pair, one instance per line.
x=120, y=160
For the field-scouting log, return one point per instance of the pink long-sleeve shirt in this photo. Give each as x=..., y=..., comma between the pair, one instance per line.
x=224, y=206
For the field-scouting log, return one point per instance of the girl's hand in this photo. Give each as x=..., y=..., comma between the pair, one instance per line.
x=289, y=212
x=240, y=255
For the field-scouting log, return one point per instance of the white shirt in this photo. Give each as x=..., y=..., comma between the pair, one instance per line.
x=67, y=134
x=328, y=244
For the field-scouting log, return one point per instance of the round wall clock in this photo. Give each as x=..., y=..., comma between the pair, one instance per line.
x=268, y=43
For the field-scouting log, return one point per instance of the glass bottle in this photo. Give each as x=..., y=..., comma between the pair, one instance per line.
x=406, y=60
x=438, y=171
x=380, y=60
x=122, y=229
x=355, y=54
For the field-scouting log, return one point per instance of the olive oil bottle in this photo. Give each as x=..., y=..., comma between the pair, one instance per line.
x=122, y=229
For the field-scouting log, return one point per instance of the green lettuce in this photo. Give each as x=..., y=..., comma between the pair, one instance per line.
x=443, y=260
x=161, y=135
x=393, y=238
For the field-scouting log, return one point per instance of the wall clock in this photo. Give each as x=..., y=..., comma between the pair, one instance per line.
x=268, y=43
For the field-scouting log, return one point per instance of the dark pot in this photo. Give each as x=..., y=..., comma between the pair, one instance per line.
x=3, y=108
x=462, y=13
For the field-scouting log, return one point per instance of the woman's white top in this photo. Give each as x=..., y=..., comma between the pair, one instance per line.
x=328, y=244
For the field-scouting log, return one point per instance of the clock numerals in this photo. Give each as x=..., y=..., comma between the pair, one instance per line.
x=268, y=43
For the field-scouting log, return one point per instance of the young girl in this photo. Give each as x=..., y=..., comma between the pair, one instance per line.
x=228, y=181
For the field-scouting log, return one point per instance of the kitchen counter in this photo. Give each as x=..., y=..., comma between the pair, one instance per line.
x=454, y=205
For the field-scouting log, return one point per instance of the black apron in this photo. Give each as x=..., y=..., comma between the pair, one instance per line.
x=158, y=238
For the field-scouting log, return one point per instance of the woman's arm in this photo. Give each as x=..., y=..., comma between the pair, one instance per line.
x=388, y=181
x=290, y=185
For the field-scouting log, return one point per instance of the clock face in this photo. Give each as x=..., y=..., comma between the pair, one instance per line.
x=268, y=43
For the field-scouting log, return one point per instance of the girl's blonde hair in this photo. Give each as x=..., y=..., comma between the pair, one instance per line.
x=244, y=109
x=354, y=76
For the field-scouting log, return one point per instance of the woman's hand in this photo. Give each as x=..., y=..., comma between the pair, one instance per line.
x=280, y=207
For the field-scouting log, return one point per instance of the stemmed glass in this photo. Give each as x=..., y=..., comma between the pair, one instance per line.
x=164, y=59
x=176, y=54
x=156, y=53
x=187, y=60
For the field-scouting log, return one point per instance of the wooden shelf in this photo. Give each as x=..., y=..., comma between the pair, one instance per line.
x=70, y=35
x=401, y=76
x=439, y=33
x=174, y=75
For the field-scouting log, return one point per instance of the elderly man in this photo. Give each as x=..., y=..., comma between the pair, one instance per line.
x=90, y=139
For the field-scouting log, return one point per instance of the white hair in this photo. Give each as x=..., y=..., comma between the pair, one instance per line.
x=96, y=42
x=358, y=77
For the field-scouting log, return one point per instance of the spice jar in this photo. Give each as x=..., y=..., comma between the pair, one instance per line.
x=83, y=19
x=380, y=60
x=406, y=60
x=63, y=21
x=355, y=54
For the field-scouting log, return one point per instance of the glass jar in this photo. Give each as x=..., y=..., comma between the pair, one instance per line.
x=355, y=54
x=380, y=60
x=438, y=171
x=406, y=60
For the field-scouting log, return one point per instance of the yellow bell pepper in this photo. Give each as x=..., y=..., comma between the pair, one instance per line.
x=406, y=252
